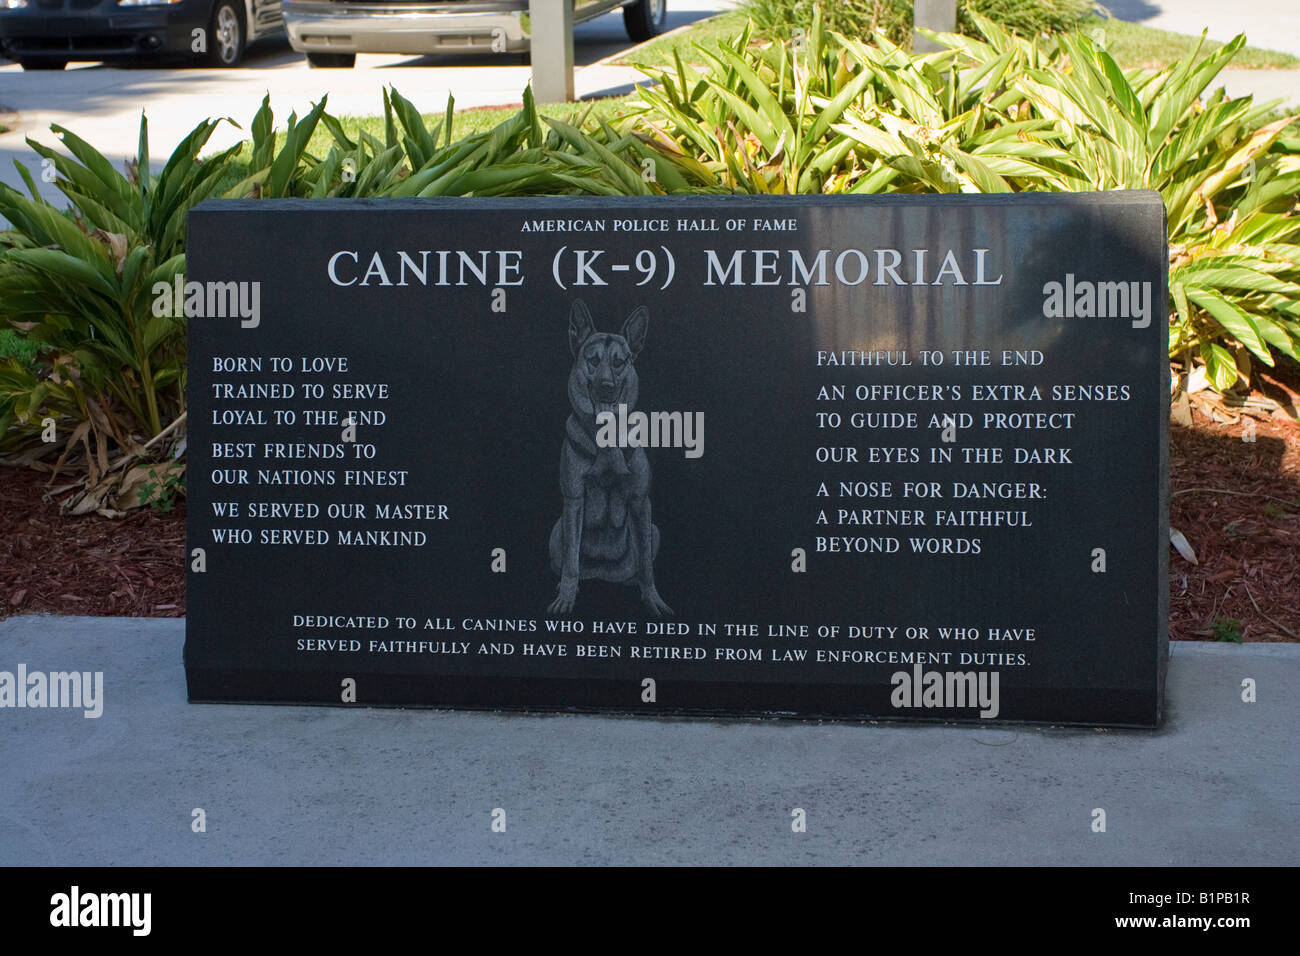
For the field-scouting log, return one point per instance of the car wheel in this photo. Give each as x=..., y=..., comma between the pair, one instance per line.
x=344, y=61
x=42, y=64
x=645, y=19
x=226, y=34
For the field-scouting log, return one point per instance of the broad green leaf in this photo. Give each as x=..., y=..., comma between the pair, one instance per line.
x=1240, y=325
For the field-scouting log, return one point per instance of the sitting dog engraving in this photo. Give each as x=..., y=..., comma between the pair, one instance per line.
x=605, y=531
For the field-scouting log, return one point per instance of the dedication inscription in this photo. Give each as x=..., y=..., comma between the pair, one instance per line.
x=899, y=457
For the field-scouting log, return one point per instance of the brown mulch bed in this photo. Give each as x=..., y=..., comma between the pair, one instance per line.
x=54, y=564
x=1237, y=502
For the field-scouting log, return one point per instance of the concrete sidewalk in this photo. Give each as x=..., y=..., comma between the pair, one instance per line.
x=1220, y=784
x=1264, y=85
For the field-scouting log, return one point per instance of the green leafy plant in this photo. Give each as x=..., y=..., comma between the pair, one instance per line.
x=758, y=119
x=1026, y=17
x=892, y=19
x=77, y=284
x=1229, y=174
x=999, y=112
x=1227, y=629
x=834, y=114
x=160, y=490
x=527, y=155
x=787, y=19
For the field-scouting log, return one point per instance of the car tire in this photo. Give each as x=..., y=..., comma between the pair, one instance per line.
x=227, y=36
x=328, y=61
x=42, y=64
x=645, y=19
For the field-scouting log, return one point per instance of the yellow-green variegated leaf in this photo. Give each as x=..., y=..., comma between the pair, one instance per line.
x=1240, y=325
x=1220, y=366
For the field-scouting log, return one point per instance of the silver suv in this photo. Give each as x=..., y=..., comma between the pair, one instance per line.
x=333, y=32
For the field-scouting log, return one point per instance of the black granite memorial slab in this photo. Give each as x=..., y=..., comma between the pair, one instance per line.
x=887, y=457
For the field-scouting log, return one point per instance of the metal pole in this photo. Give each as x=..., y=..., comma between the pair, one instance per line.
x=937, y=15
x=551, y=26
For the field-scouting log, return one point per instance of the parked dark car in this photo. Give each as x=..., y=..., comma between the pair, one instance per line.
x=333, y=32
x=47, y=34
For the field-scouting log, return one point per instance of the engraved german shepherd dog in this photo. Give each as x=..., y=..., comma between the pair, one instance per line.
x=605, y=531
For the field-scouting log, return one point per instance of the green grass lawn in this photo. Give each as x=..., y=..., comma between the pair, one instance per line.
x=11, y=346
x=1131, y=44
x=659, y=51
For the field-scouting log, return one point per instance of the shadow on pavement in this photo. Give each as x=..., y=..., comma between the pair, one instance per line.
x=1132, y=10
